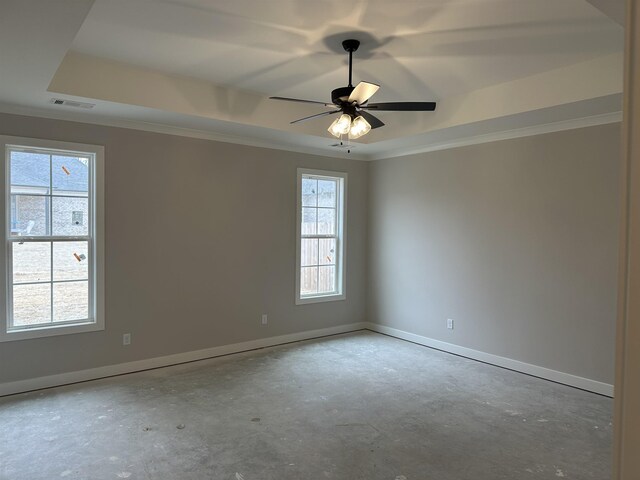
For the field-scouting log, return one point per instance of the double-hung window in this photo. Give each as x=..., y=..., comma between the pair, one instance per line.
x=53, y=256
x=320, y=272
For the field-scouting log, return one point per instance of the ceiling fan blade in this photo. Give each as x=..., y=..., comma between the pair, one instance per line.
x=403, y=106
x=302, y=101
x=316, y=115
x=374, y=121
x=363, y=92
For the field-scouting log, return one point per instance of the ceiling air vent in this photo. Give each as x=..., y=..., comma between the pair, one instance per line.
x=72, y=103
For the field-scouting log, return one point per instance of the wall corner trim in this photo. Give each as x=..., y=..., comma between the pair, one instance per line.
x=516, y=365
x=21, y=386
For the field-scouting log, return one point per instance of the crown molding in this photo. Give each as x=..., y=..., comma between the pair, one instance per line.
x=393, y=152
x=533, y=130
x=175, y=130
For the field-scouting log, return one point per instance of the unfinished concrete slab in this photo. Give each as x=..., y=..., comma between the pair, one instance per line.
x=356, y=406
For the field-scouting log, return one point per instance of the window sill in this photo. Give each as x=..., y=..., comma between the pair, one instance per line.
x=50, y=331
x=320, y=299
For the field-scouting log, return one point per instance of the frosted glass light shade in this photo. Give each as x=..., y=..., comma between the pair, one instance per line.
x=359, y=127
x=340, y=126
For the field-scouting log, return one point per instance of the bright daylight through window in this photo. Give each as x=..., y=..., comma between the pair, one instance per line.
x=321, y=236
x=50, y=238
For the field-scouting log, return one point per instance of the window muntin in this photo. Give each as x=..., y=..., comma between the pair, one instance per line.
x=320, y=236
x=51, y=238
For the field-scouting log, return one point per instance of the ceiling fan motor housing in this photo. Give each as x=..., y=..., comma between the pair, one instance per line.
x=341, y=95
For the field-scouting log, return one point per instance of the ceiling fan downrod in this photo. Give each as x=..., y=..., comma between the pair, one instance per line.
x=350, y=46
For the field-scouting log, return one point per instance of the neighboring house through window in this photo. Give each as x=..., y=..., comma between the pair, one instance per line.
x=53, y=237
x=320, y=271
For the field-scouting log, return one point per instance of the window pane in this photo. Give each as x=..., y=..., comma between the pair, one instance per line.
x=327, y=193
x=326, y=221
x=70, y=261
x=326, y=279
x=308, y=280
x=70, y=301
x=31, y=262
x=30, y=217
x=31, y=304
x=308, y=221
x=309, y=192
x=327, y=251
x=309, y=251
x=30, y=172
x=70, y=216
x=70, y=175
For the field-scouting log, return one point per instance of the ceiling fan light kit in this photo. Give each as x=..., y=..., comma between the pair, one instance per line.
x=352, y=102
x=359, y=127
x=344, y=125
x=340, y=126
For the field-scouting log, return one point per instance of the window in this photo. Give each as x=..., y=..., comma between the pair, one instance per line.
x=320, y=271
x=53, y=256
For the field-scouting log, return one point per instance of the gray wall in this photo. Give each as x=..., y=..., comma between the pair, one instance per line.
x=200, y=241
x=514, y=240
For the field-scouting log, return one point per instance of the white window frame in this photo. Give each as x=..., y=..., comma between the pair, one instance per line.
x=96, y=268
x=341, y=236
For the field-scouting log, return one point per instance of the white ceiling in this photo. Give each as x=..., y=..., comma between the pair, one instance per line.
x=207, y=67
x=415, y=50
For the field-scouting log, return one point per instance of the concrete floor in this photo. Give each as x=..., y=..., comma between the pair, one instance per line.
x=356, y=406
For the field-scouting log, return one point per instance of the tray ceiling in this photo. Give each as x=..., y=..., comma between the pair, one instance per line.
x=208, y=67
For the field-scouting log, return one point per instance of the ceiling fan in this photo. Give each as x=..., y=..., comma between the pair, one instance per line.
x=353, y=102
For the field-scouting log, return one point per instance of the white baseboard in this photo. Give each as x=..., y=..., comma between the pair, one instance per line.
x=21, y=386
x=546, y=373
x=165, y=361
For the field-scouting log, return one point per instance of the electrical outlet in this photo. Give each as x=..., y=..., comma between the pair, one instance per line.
x=450, y=323
x=264, y=319
x=126, y=339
